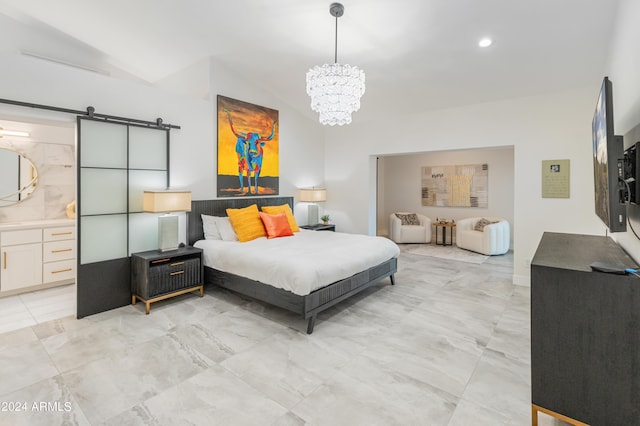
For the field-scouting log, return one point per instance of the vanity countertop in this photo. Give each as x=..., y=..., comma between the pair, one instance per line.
x=29, y=224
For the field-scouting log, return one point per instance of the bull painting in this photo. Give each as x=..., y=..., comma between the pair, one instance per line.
x=247, y=149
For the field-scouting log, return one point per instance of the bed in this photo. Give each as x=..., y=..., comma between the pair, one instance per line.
x=308, y=305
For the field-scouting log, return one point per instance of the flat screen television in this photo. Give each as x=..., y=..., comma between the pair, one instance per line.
x=608, y=164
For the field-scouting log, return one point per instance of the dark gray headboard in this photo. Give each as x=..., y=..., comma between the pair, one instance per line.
x=219, y=208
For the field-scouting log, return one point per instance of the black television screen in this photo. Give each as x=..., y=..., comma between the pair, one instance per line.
x=608, y=164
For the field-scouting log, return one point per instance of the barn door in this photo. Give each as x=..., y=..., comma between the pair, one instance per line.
x=116, y=163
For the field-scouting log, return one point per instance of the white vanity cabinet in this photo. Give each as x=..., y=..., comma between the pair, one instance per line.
x=35, y=256
x=21, y=259
x=59, y=254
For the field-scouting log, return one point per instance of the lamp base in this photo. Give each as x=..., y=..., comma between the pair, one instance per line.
x=312, y=212
x=168, y=232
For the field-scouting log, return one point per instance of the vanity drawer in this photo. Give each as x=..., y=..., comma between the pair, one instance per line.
x=24, y=236
x=59, y=233
x=58, y=271
x=59, y=250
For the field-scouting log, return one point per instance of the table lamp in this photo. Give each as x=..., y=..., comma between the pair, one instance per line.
x=168, y=201
x=312, y=196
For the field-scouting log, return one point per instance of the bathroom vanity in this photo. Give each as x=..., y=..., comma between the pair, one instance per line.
x=36, y=255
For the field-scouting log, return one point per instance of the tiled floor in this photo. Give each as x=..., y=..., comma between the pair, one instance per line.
x=447, y=345
x=25, y=310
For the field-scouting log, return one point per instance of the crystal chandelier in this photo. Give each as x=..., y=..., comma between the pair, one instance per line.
x=335, y=89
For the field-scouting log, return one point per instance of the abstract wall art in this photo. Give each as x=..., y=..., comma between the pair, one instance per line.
x=455, y=186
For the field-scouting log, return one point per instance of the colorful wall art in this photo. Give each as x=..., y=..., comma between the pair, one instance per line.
x=248, y=149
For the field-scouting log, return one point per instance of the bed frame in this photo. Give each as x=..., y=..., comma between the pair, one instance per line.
x=310, y=305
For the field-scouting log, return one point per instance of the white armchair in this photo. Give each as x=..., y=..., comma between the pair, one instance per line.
x=400, y=233
x=494, y=238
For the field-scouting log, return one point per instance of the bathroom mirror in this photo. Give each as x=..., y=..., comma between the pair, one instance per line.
x=18, y=177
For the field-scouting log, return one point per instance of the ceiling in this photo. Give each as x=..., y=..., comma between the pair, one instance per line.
x=417, y=54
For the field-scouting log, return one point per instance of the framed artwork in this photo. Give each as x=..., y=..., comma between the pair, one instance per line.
x=248, y=149
x=463, y=185
x=555, y=178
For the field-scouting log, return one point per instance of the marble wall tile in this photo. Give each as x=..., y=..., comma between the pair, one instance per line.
x=56, y=168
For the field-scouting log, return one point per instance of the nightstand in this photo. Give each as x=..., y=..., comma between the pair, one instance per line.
x=157, y=275
x=320, y=227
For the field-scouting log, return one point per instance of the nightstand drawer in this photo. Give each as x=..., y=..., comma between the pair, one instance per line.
x=58, y=250
x=173, y=275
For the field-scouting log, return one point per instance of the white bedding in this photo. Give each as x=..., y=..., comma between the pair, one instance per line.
x=302, y=263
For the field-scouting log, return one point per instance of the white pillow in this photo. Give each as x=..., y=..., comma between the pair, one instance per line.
x=225, y=229
x=210, y=227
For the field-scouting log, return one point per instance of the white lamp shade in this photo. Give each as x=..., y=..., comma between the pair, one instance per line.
x=313, y=195
x=166, y=201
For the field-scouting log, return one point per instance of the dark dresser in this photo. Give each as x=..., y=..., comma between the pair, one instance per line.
x=585, y=332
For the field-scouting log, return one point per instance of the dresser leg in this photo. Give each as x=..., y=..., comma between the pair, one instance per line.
x=147, y=307
x=534, y=415
x=133, y=299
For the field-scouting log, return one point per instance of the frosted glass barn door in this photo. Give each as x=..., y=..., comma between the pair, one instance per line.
x=116, y=162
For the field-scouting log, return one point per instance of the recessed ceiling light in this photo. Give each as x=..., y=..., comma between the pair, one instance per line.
x=485, y=42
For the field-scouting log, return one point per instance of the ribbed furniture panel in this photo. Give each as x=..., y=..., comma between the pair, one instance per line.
x=172, y=275
x=157, y=275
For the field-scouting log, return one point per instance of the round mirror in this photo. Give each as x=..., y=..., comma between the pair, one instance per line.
x=18, y=177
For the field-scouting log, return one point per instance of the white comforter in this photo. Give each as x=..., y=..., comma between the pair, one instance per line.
x=301, y=263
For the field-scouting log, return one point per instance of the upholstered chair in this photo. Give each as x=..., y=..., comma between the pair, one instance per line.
x=486, y=235
x=410, y=233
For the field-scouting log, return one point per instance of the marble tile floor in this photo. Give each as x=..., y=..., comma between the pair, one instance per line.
x=28, y=309
x=447, y=345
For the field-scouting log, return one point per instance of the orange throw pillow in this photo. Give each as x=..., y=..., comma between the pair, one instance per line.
x=276, y=225
x=287, y=211
x=246, y=222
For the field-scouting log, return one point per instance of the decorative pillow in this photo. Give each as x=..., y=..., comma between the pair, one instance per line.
x=479, y=226
x=246, y=222
x=408, y=218
x=287, y=211
x=225, y=229
x=210, y=228
x=276, y=225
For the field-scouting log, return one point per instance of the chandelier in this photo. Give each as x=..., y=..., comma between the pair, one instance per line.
x=335, y=89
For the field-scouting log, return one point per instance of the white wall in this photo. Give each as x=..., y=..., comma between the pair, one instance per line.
x=555, y=126
x=193, y=147
x=402, y=184
x=622, y=68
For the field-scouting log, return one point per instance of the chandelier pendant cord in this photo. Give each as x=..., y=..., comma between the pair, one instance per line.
x=335, y=57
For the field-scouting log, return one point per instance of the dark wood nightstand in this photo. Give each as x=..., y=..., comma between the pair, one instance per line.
x=320, y=227
x=157, y=275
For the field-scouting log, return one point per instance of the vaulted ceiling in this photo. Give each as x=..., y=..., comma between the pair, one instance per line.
x=417, y=54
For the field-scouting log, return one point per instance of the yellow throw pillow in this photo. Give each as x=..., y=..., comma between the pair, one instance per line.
x=287, y=211
x=247, y=223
